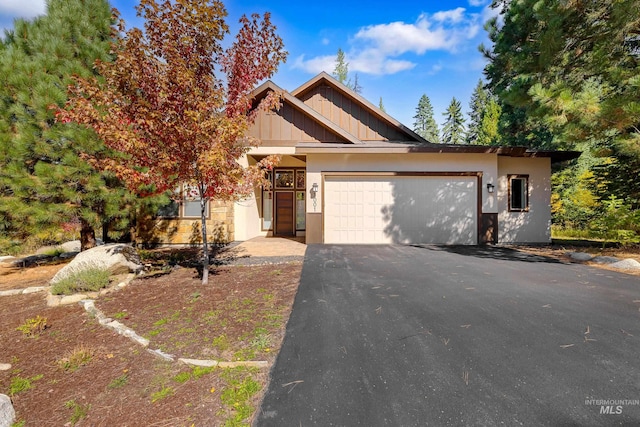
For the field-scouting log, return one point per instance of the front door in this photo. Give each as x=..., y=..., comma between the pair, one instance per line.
x=285, y=225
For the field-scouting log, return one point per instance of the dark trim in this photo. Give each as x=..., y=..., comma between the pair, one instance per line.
x=384, y=147
x=517, y=176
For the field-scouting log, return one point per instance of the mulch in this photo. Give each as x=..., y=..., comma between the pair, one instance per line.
x=176, y=312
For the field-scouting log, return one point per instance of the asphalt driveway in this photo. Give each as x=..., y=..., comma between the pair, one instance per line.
x=412, y=336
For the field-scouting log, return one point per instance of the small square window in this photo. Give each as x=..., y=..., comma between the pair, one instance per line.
x=518, y=193
x=284, y=179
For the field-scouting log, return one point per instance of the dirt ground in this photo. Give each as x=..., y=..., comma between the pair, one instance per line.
x=77, y=372
x=560, y=251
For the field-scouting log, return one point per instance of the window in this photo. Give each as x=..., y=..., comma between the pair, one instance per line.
x=284, y=179
x=300, y=179
x=300, y=210
x=267, y=209
x=170, y=210
x=186, y=207
x=518, y=193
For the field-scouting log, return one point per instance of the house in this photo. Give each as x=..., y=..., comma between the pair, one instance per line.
x=350, y=173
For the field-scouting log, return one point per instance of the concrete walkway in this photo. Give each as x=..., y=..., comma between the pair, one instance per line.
x=264, y=250
x=272, y=246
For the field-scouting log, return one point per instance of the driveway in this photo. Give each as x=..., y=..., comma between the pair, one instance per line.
x=413, y=336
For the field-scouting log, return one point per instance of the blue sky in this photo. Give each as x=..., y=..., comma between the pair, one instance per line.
x=400, y=51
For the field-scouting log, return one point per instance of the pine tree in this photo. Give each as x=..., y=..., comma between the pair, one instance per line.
x=356, y=87
x=478, y=104
x=488, y=131
x=341, y=70
x=381, y=105
x=341, y=73
x=483, y=118
x=425, y=125
x=453, y=129
x=45, y=185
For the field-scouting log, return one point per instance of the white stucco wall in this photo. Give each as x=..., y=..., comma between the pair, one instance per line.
x=534, y=225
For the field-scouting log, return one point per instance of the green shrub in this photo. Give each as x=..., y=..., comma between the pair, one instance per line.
x=618, y=221
x=83, y=281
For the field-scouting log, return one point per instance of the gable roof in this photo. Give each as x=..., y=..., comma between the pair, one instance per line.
x=414, y=143
x=262, y=91
x=324, y=79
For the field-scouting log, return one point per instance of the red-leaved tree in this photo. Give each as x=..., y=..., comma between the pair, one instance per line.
x=175, y=105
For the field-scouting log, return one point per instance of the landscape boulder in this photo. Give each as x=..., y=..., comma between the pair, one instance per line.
x=627, y=264
x=7, y=413
x=117, y=258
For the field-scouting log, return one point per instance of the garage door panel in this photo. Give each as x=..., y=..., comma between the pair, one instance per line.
x=384, y=209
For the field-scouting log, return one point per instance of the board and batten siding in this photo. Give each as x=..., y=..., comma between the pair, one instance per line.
x=288, y=126
x=350, y=116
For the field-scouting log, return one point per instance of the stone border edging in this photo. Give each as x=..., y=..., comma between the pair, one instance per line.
x=90, y=307
x=24, y=291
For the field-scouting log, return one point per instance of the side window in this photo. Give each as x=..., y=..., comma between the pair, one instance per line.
x=187, y=207
x=518, y=193
x=191, y=203
x=170, y=210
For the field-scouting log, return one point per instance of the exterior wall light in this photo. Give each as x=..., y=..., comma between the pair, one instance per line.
x=491, y=188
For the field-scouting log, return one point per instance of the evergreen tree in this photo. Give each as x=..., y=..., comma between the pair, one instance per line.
x=425, y=125
x=45, y=185
x=478, y=104
x=566, y=73
x=341, y=73
x=453, y=130
x=381, y=105
x=488, y=131
x=356, y=87
x=341, y=70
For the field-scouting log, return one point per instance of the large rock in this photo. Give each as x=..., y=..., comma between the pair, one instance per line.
x=626, y=264
x=117, y=258
x=7, y=413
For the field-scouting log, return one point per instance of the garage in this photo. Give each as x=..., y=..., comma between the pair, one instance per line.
x=406, y=209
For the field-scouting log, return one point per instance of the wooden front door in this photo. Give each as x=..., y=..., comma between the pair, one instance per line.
x=284, y=214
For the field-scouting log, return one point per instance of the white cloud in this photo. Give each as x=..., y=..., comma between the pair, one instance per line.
x=315, y=65
x=22, y=8
x=325, y=41
x=454, y=16
x=375, y=49
x=477, y=3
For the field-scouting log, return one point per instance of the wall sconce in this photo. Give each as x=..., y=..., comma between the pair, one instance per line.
x=491, y=188
x=314, y=191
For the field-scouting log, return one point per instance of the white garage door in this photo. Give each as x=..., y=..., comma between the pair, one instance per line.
x=400, y=209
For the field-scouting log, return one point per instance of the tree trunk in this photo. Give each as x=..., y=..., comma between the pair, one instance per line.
x=205, y=246
x=87, y=236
